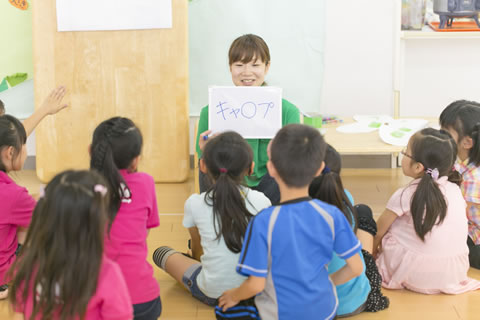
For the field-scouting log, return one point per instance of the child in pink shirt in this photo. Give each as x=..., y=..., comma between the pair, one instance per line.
x=422, y=234
x=64, y=274
x=16, y=205
x=115, y=153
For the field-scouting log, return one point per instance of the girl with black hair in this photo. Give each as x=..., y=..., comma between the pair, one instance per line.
x=421, y=235
x=362, y=293
x=462, y=120
x=63, y=273
x=115, y=153
x=16, y=205
x=217, y=220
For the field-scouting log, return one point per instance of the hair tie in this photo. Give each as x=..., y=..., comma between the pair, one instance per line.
x=326, y=170
x=223, y=170
x=433, y=173
x=42, y=192
x=100, y=189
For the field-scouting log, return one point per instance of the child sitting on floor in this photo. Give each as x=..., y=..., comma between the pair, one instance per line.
x=217, y=220
x=362, y=293
x=421, y=235
x=287, y=247
x=462, y=120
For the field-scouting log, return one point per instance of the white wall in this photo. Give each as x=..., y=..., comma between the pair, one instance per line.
x=358, y=57
x=437, y=72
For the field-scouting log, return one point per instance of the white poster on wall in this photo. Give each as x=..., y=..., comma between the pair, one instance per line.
x=95, y=15
x=253, y=112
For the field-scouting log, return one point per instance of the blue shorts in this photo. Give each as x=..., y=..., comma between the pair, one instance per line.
x=190, y=282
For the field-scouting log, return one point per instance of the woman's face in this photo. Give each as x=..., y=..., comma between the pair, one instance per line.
x=249, y=74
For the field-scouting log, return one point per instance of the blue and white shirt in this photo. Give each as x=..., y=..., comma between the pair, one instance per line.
x=291, y=245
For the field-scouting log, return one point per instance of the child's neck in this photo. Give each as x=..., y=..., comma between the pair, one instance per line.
x=462, y=154
x=291, y=193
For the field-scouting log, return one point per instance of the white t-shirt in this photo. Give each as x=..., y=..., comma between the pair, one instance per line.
x=218, y=262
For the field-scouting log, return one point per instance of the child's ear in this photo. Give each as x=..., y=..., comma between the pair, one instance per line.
x=90, y=149
x=467, y=142
x=252, y=166
x=134, y=165
x=269, y=150
x=7, y=153
x=319, y=172
x=418, y=168
x=203, y=166
x=271, y=169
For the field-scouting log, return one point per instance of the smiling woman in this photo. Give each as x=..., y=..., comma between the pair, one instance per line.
x=249, y=60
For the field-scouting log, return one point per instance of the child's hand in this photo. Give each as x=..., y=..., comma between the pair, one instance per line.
x=53, y=103
x=203, y=139
x=227, y=300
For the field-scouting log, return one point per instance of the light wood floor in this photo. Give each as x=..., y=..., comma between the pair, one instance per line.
x=370, y=186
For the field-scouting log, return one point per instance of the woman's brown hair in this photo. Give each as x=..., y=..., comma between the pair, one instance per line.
x=248, y=47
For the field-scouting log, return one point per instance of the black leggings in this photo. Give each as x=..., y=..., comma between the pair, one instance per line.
x=473, y=254
x=376, y=301
x=365, y=219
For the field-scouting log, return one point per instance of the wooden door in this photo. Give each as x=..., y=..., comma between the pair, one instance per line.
x=139, y=74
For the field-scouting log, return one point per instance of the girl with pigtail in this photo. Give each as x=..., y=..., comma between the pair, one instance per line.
x=115, y=153
x=462, y=120
x=216, y=220
x=421, y=235
x=63, y=272
x=362, y=293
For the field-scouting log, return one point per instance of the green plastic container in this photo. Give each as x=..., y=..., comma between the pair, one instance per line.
x=314, y=121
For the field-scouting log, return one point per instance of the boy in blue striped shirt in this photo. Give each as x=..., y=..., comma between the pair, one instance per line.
x=287, y=247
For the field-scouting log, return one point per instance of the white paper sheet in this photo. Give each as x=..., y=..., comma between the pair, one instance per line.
x=399, y=131
x=365, y=124
x=95, y=15
x=253, y=112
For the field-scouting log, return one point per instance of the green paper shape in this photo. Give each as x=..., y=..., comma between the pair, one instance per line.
x=375, y=124
x=16, y=78
x=3, y=85
x=405, y=129
x=397, y=134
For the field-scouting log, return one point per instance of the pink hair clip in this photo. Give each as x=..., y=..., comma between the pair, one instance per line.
x=433, y=173
x=223, y=170
x=101, y=189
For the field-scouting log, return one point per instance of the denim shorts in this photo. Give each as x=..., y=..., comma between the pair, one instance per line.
x=190, y=282
x=150, y=310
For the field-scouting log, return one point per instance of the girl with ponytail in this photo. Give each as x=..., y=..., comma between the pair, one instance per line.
x=421, y=235
x=217, y=220
x=132, y=212
x=462, y=120
x=362, y=293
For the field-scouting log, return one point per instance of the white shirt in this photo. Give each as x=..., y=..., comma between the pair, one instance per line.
x=218, y=262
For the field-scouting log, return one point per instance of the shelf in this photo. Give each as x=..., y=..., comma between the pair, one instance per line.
x=428, y=33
